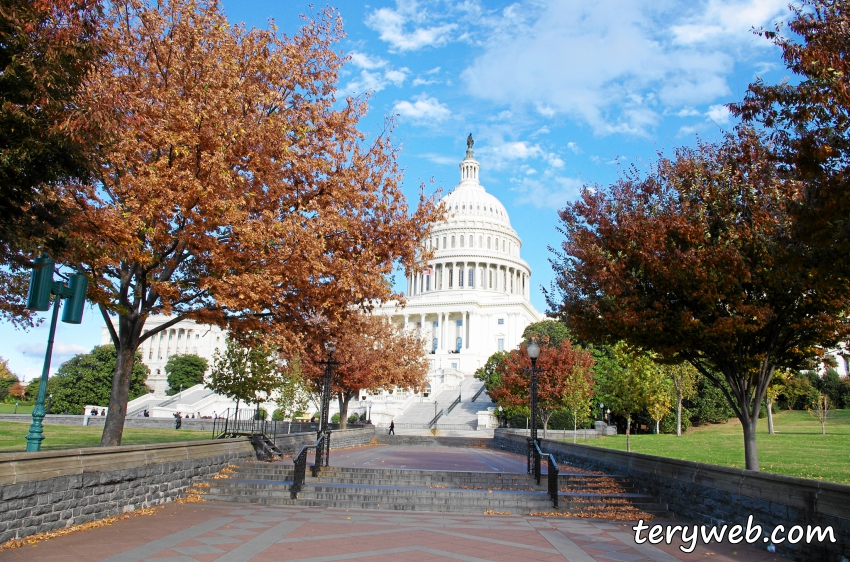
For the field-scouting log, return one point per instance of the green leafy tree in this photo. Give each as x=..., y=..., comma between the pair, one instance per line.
x=87, y=379
x=684, y=378
x=708, y=404
x=244, y=372
x=548, y=332
x=489, y=373
x=292, y=394
x=184, y=371
x=628, y=379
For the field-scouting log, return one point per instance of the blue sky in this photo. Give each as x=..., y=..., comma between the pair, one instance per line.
x=557, y=93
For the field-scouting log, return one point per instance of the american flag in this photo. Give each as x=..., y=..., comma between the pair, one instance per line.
x=428, y=271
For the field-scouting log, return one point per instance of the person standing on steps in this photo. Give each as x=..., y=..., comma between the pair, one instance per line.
x=392, y=428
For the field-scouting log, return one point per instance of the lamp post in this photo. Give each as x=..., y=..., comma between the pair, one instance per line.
x=323, y=453
x=608, y=416
x=41, y=287
x=435, y=408
x=500, y=417
x=533, y=351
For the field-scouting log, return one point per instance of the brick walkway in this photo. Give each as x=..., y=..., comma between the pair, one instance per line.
x=207, y=532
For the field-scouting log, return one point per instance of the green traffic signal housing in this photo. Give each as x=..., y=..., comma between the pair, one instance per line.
x=41, y=283
x=73, y=312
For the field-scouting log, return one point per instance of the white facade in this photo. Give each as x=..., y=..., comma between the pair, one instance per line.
x=185, y=337
x=472, y=298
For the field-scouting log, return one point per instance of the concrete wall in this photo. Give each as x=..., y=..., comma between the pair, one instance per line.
x=718, y=495
x=49, y=490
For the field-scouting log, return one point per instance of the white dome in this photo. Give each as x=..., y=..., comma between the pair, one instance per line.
x=469, y=199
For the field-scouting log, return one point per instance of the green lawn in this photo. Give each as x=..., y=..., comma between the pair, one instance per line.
x=10, y=409
x=797, y=448
x=77, y=436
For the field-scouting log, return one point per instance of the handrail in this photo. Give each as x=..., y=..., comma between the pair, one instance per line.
x=453, y=404
x=478, y=393
x=434, y=420
x=322, y=452
x=537, y=453
x=552, y=475
x=300, y=474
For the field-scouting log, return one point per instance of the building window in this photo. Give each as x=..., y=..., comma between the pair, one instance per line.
x=444, y=242
x=454, y=366
x=501, y=321
x=488, y=242
x=453, y=241
x=419, y=324
x=436, y=324
x=460, y=322
x=503, y=245
x=461, y=240
x=460, y=277
x=428, y=283
x=150, y=354
x=450, y=278
x=501, y=344
x=458, y=344
x=480, y=238
x=491, y=278
x=471, y=277
x=434, y=345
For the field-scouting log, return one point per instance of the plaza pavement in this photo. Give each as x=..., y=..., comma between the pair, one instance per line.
x=223, y=532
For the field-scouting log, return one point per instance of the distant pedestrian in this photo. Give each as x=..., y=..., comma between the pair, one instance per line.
x=178, y=420
x=94, y=411
x=103, y=412
x=392, y=428
x=147, y=414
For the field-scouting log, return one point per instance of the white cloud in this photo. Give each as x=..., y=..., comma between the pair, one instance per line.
x=59, y=349
x=422, y=108
x=406, y=27
x=719, y=114
x=547, y=192
x=440, y=159
x=423, y=82
x=574, y=147
x=687, y=112
x=617, y=66
x=362, y=60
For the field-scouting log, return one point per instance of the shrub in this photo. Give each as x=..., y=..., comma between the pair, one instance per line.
x=335, y=418
x=278, y=415
x=668, y=422
x=353, y=418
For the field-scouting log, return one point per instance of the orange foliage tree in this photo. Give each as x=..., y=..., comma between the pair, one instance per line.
x=696, y=261
x=565, y=378
x=372, y=353
x=237, y=189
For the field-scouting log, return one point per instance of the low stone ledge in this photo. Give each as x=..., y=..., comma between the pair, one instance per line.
x=714, y=494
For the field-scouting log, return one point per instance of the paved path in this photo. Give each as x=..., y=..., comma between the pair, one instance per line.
x=428, y=458
x=207, y=532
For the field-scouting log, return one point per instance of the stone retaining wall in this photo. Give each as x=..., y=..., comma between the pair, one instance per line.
x=427, y=441
x=49, y=490
x=717, y=495
x=340, y=439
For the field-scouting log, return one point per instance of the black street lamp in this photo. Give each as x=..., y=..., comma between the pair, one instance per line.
x=435, y=408
x=323, y=453
x=501, y=424
x=533, y=351
x=601, y=411
x=41, y=287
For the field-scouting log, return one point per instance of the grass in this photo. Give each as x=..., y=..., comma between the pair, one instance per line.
x=797, y=448
x=10, y=409
x=12, y=436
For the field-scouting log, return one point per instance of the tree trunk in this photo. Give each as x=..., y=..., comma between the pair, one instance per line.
x=769, y=416
x=546, y=422
x=678, y=412
x=751, y=456
x=344, y=398
x=628, y=430
x=823, y=426
x=113, y=428
x=657, y=427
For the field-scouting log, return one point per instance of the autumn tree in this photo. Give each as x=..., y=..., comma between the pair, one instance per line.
x=808, y=120
x=291, y=394
x=237, y=190
x=695, y=261
x=47, y=47
x=563, y=379
x=372, y=353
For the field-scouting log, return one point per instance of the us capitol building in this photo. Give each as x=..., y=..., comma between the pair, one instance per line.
x=468, y=302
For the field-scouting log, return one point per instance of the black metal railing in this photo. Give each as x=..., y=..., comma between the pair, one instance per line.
x=452, y=406
x=477, y=394
x=534, y=454
x=552, y=476
x=435, y=418
x=247, y=422
x=323, y=452
x=300, y=474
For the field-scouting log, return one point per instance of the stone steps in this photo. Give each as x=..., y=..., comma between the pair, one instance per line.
x=422, y=490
